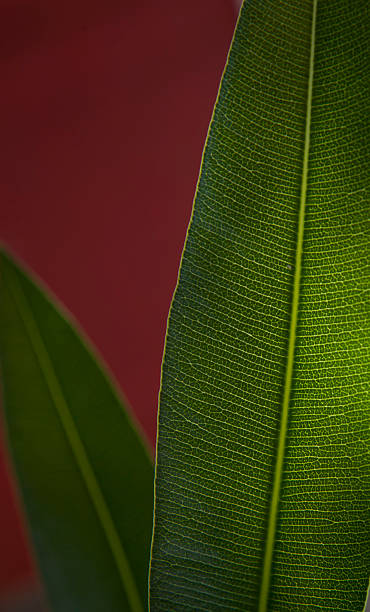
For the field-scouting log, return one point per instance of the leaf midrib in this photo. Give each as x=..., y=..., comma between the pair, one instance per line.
x=77, y=446
x=275, y=496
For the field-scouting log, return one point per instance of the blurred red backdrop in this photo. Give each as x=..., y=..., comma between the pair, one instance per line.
x=105, y=108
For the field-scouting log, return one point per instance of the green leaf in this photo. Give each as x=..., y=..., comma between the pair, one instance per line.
x=263, y=472
x=85, y=475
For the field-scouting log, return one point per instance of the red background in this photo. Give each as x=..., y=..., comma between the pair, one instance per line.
x=104, y=108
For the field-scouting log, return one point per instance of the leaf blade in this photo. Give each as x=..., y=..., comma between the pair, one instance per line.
x=226, y=349
x=131, y=595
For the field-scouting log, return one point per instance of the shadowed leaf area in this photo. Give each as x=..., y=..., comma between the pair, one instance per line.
x=85, y=475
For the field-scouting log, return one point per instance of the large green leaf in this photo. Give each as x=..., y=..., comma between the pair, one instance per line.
x=263, y=473
x=85, y=475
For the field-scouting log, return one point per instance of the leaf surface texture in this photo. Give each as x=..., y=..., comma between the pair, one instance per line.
x=263, y=477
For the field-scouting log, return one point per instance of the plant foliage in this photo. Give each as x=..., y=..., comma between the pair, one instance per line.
x=85, y=474
x=263, y=473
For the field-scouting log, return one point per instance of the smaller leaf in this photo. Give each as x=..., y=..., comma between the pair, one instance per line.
x=85, y=474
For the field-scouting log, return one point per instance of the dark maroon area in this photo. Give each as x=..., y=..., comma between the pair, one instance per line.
x=104, y=111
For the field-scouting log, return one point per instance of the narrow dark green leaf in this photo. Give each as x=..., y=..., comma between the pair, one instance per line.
x=263, y=472
x=85, y=475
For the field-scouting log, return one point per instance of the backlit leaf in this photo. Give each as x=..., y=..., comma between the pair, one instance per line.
x=263, y=474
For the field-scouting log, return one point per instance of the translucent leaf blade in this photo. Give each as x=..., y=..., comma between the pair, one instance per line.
x=287, y=156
